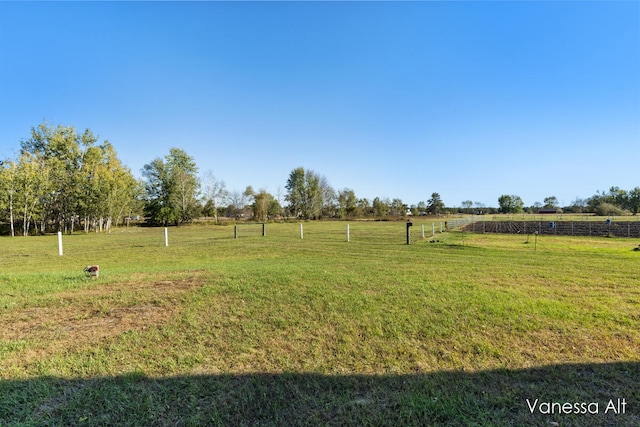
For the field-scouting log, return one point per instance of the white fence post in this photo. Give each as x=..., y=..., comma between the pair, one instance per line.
x=166, y=236
x=423, y=231
x=301, y=232
x=347, y=232
x=60, y=242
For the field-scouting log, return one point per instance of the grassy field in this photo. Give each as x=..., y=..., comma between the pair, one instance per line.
x=278, y=330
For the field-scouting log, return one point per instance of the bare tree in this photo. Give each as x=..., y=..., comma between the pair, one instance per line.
x=214, y=193
x=237, y=202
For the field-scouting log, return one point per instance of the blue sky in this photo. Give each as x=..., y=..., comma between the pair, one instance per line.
x=391, y=99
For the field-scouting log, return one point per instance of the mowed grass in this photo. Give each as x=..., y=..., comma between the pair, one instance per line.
x=450, y=330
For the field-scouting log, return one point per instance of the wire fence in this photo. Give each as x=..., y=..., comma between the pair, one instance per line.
x=606, y=228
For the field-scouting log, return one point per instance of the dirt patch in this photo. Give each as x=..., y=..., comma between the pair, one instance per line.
x=88, y=315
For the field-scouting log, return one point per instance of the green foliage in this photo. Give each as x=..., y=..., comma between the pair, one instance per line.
x=172, y=188
x=308, y=193
x=510, y=204
x=380, y=207
x=397, y=208
x=347, y=203
x=634, y=200
x=608, y=209
x=264, y=205
x=550, y=202
x=435, y=206
x=296, y=194
x=63, y=177
x=364, y=207
x=617, y=197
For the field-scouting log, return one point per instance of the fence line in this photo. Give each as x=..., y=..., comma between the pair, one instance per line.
x=461, y=222
x=561, y=228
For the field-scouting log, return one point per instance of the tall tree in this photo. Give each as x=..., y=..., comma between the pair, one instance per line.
x=60, y=148
x=32, y=184
x=296, y=192
x=510, y=204
x=65, y=177
x=184, y=174
x=435, y=205
x=4, y=193
x=619, y=197
x=307, y=193
x=364, y=207
x=172, y=188
x=550, y=202
x=159, y=187
x=347, y=203
x=313, y=196
x=328, y=196
x=119, y=187
x=237, y=203
x=214, y=193
x=397, y=207
x=8, y=186
x=634, y=200
x=262, y=205
x=380, y=207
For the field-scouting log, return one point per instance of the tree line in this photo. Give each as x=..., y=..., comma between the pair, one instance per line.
x=175, y=195
x=63, y=180
x=614, y=202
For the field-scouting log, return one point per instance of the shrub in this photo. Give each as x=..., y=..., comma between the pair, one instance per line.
x=607, y=209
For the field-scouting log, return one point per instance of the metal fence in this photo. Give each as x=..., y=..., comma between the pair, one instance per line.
x=607, y=228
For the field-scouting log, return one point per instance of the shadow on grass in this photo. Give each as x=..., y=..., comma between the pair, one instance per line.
x=488, y=398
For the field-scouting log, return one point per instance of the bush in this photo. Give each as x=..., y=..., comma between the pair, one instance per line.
x=607, y=209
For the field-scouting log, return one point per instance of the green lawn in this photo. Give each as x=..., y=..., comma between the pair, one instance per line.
x=279, y=330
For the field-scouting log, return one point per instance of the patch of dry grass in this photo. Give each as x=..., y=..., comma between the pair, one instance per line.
x=71, y=320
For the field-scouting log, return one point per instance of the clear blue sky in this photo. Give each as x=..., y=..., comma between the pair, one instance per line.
x=399, y=100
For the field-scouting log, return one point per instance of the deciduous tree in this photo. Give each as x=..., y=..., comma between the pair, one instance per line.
x=214, y=193
x=172, y=188
x=510, y=204
x=64, y=177
x=307, y=193
x=262, y=205
x=380, y=207
x=8, y=185
x=347, y=203
x=550, y=202
x=634, y=200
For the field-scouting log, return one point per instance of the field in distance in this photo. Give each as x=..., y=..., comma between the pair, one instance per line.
x=277, y=330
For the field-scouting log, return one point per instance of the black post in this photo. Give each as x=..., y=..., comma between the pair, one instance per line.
x=263, y=230
x=409, y=224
